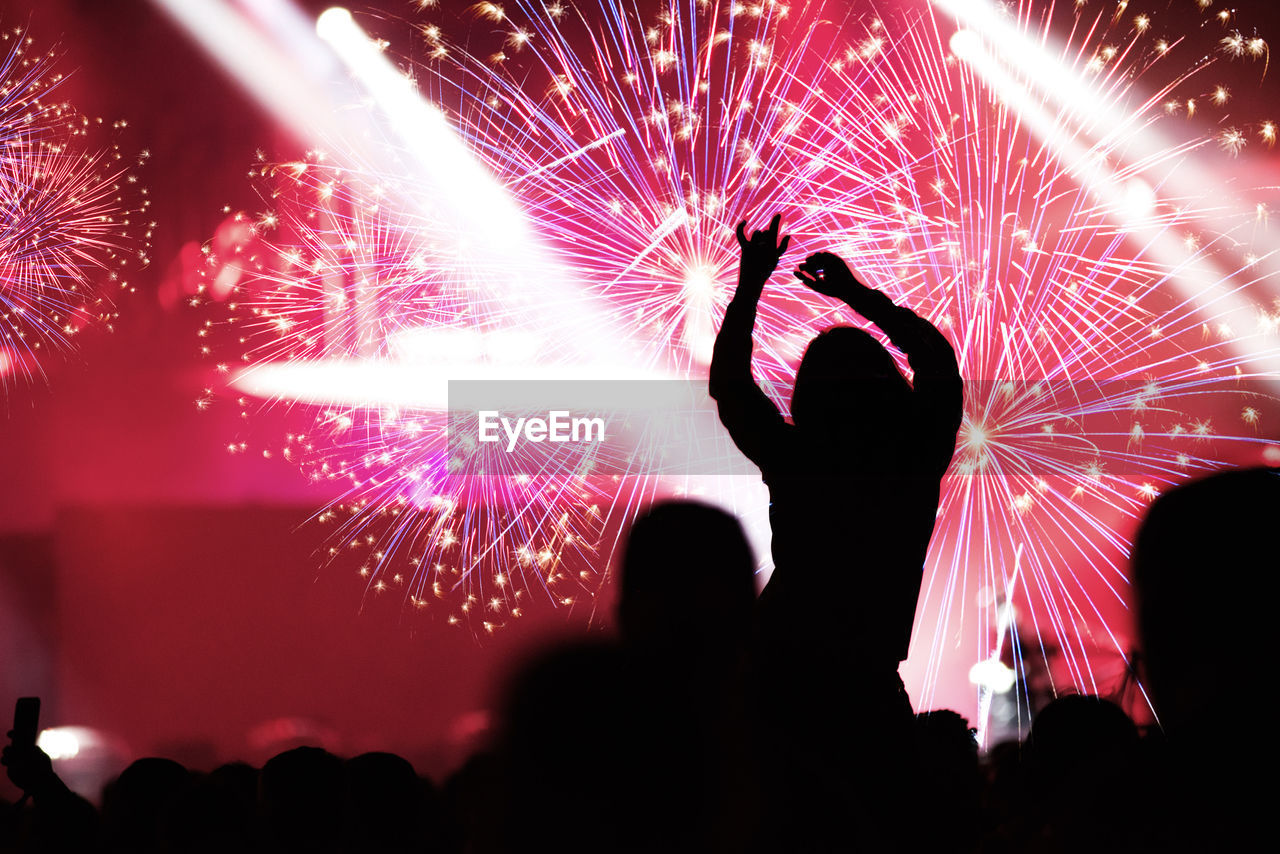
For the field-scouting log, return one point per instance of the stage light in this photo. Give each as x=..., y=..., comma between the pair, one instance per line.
x=61, y=742
x=287, y=65
x=271, y=75
x=1140, y=199
x=1125, y=195
x=377, y=383
x=333, y=22
x=460, y=182
x=965, y=42
x=85, y=759
x=993, y=675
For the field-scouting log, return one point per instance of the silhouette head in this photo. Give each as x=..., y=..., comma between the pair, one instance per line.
x=687, y=578
x=301, y=795
x=138, y=802
x=945, y=736
x=845, y=372
x=1082, y=730
x=1083, y=770
x=385, y=802
x=1202, y=616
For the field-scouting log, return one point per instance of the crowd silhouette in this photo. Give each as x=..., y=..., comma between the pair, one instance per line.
x=719, y=720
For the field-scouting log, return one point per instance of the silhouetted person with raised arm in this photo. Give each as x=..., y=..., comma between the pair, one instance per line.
x=854, y=480
x=853, y=483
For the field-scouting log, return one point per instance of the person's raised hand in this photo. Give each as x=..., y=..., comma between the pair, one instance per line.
x=761, y=251
x=827, y=273
x=29, y=767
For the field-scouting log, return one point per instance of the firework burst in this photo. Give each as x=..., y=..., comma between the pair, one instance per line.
x=633, y=139
x=70, y=215
x=632, y=160
x=1034, y=234
x=341, y=272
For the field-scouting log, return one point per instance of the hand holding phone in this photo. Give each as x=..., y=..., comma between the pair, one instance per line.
x=28, y=766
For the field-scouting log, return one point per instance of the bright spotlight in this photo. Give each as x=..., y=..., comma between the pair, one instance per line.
x=992, y=674
x=1139, y=199
x=60, y=742
x=965, y=43
x=333, y=22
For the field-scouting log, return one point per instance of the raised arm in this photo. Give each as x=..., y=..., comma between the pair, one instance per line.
x=745, y=410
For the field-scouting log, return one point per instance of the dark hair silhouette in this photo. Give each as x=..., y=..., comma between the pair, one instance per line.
x=1080, y=729
x=301, y=794
x=845, y=372
x=687, y=579
x=1202, y=561
x=1206, y=530
x=948, y=784
x=1083, y=777
x=219, y=812
x=646, y=738
x=386, y=805
x=137, y=805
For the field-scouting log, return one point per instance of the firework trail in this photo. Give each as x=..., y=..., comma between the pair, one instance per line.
x=635, y=138
x=70, y=217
